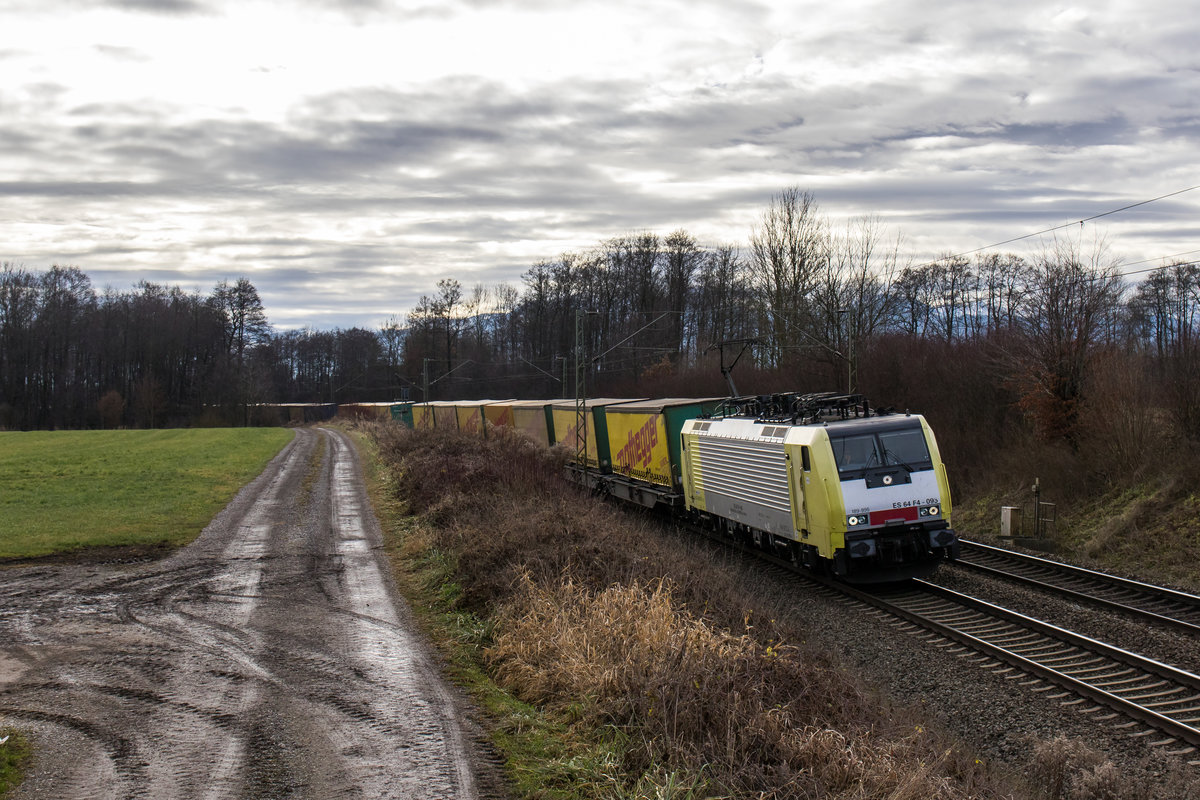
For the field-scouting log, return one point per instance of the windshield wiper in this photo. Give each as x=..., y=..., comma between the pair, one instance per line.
x=890, y=458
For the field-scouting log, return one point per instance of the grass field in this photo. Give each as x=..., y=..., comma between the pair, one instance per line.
x=69, y=491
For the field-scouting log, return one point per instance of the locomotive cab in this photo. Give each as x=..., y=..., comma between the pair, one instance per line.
x=895, y=497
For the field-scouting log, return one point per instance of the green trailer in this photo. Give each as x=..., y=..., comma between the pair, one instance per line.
x=403, y=413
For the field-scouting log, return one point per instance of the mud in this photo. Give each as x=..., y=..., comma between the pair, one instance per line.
x=269, y=659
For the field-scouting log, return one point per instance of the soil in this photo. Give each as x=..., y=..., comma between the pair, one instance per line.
x=270, y=658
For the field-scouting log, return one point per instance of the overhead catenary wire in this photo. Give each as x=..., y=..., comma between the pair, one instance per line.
x=1065, y=225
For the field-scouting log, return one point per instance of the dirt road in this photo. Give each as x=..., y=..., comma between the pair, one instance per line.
x=268, y=659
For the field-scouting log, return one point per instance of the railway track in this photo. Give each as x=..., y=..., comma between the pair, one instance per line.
x=1165, y=606
x=1104, y=681
x=1114, y=687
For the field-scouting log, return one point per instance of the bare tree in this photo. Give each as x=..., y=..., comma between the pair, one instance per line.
x=446, y=308
x=1004, y=278
x=19, y=299
x=1073, y=299
x=789, y=247
x=683, y=258
x=853, y=298
x=723, y=298
x=1165, y=314
x=246, y=327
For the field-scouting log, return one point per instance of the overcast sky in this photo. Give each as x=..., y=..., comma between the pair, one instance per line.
x=346, y=155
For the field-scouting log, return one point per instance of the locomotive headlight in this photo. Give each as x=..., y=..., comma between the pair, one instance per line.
x=851, y=521
x=929, y=511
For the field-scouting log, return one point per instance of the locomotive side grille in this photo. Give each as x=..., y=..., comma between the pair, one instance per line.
x=753, y=471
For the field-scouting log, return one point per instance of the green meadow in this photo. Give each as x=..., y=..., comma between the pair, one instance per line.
x=69, y=491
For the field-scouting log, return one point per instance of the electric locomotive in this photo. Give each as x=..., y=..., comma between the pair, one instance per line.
x=820, y=479
x=823, y=481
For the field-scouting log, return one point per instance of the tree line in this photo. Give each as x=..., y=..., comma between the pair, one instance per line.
x=810, y=305
x=1052, y=345
x=72, y=356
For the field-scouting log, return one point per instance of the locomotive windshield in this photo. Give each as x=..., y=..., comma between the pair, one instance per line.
x=858, y=451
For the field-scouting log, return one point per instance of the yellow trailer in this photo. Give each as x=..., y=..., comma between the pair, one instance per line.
x=445, y=415
x=469, y=414
x=643, y=437
x=533, y=418
x=499, y=414
x=567, y=425
x=422, y=414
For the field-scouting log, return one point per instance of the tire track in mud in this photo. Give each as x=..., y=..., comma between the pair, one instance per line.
x=268, y=659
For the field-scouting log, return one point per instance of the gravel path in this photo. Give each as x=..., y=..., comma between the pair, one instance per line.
x=271, y=658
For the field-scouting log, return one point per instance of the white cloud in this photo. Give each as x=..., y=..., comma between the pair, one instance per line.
x=381, y=145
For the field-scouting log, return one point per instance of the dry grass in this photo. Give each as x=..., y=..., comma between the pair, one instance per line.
x=1068, y=770
x=602, y=621
x=763, y=720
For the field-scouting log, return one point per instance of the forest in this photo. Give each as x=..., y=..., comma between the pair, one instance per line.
x=1059, y=347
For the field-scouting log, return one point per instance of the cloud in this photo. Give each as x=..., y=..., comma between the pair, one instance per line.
x=161, y=7
x=369, y=148
x=122, y=53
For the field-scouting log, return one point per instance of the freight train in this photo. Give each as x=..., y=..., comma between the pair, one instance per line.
x=822, y=480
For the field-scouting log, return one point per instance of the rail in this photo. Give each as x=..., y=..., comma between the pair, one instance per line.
x=1147, y=601
x=1158, y=695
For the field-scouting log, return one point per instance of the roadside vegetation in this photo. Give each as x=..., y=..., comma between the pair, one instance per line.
x=126, y=491
x=1122, y=498
x=618, y=661
x=14, y=755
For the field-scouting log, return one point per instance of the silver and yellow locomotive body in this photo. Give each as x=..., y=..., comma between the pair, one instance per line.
x=862, y=497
